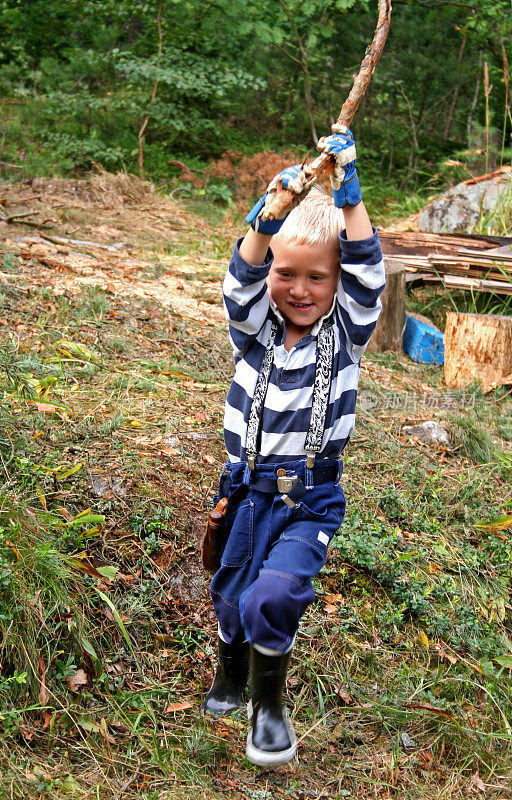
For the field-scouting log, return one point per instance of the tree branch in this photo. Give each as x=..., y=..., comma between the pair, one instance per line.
x=155, y=89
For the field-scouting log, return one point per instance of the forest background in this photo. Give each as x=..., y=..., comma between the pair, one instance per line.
x=139, y=85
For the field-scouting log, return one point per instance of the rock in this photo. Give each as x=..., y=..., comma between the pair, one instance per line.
x=429, y=432
x=459, y=209
x=108, y=485
x=406, y=741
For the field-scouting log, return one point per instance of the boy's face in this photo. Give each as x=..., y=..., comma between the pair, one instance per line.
x=302, y=281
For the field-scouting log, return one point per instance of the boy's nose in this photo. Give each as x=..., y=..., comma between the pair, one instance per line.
x=298, y=289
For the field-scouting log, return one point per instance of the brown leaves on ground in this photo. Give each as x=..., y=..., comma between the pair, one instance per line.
x=77, y=680
x=173, y=707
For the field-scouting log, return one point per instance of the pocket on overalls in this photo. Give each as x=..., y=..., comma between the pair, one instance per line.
x=334, y=502
x=240, y=530
x=324, y=517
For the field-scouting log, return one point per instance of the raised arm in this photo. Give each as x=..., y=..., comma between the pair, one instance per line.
x=362, y=276
x=246, y=299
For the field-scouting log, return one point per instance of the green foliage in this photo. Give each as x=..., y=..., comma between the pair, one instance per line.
x=78, y=78
x=446, y=601
x=498, y=222
x=472, y=439
x=39, y=595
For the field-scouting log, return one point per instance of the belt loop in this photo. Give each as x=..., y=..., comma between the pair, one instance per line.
x=310, y=463
x=340, y=468
x=247, y=475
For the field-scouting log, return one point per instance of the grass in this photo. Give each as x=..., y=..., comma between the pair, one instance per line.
x=110, y=450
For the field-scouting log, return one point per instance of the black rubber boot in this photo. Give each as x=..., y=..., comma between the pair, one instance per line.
x=228, y=689
x=271, y=740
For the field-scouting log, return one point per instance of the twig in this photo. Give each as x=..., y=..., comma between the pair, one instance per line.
x=83, y=242
x=284, y=198
x=503, y=396
x=9, y=218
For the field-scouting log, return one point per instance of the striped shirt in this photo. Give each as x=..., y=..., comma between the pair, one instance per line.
x=287, y=410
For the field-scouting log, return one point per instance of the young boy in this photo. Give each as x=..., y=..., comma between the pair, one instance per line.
x=299, y=321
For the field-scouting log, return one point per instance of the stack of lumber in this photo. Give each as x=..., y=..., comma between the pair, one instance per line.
x=461, y=262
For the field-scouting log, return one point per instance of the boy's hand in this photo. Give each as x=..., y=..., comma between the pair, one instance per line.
x=344, y=180
x=290, y=180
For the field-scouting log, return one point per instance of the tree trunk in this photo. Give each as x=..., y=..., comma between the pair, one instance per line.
x=455, y=98
x=477, y=347
x=144, y=125
x=389, y=332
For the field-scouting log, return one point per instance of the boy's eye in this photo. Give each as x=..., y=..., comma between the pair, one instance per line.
x=317, y=277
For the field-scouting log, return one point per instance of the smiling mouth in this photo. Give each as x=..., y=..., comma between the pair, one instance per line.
x=301, y=306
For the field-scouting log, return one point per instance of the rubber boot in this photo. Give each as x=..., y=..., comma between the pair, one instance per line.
x=271, y=740
x=228, y=689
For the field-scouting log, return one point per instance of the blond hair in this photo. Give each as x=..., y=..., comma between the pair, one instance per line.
x=316, y=220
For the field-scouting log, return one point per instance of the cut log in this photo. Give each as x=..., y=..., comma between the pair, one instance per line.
x=477, y=347
x=390, y=327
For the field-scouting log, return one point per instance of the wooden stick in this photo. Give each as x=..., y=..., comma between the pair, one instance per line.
x=283, y=198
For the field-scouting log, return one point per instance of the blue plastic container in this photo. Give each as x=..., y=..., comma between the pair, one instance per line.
x=422, y=342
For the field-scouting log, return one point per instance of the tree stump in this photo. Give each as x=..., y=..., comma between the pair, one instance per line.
x=389, y=331
x=477, y=346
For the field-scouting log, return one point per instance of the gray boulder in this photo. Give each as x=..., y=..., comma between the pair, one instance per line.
x=460, y=208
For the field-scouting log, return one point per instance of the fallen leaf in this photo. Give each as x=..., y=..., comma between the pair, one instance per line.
x=478, y=782
x=345, y=696
x=498, y=524
x=76, y=681
x=43, y=691
x=177, y=707
x=46, y=408
x=47, y=719
x=27, y=734
x=424, y=640
x=209, y=459
x=445, y=656
x=334, y=598
x=427, y=707
x=329, y=608
x=95, y=727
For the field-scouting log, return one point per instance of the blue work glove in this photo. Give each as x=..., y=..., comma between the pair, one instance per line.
x=344, y=181
x=290, y=180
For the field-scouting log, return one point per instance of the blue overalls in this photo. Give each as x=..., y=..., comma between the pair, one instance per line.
x=281, y=518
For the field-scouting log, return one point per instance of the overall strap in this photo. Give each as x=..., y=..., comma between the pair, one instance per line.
x=321, y=392
x=260, y=391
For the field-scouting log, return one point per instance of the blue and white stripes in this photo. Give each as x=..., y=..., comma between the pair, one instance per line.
x=287, y=409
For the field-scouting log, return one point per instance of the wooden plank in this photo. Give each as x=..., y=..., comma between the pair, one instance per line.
x=475, y=284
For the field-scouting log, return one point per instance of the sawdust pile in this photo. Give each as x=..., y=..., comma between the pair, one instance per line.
x=112, y=232
x=118, y=195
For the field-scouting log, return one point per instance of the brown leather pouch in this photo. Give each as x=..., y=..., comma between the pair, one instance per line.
x=211, y=546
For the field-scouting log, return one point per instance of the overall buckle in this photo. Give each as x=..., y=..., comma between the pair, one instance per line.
x=285, y=485
x=285, y=482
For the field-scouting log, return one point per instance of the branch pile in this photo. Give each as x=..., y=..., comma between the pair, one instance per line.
x=449, y=259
